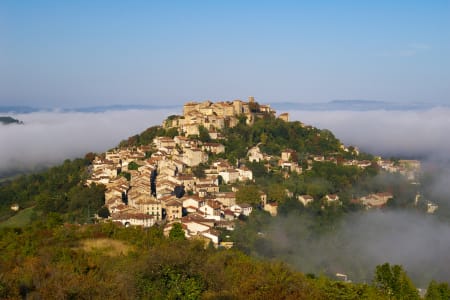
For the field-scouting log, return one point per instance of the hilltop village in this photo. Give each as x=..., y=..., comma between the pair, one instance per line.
x=184, y=179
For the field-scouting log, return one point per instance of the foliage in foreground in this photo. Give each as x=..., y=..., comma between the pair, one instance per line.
x=51, y=260
x=57, y=190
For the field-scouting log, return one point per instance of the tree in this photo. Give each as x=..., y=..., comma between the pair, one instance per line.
x=179, y=191
x=203, y=134
x=220, y=179
x=133, y=166
x=153, y=176
x=437, y=291
x=258, y=169
x=54, y=219
x=263, y=138
x=126, y=175
x=393, y=281
x=248, y=194
x=199, y=171
x=171, y=132
x=177, y=232
x=103, y=212
x=276, y=192
x=290, y=206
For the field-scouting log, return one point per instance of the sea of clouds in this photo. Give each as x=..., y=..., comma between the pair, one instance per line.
x=418, y=242
x=412, y=133
x=48, y=138
x=413, y=240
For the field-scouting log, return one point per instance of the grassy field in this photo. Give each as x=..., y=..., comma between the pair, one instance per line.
x=106, y=246
x=20, y=219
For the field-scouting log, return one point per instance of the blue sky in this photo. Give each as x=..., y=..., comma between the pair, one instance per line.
x=87, y=53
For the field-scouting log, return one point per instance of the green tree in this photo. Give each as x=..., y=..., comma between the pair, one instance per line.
x=53, y=219
x=248, y=194
x=103, y=212
x=393, y=281
x=276, y=192
x=177, y=232
x=203, y=134
x=171, y=132
x=199, y=171
x=133, y=166
x=437, y=291
x=258, y=169
x=263, y=138
x=126, y=175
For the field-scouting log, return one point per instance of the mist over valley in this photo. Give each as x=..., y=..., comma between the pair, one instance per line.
x=359, y=241
x=47, y=138
x=362, y=240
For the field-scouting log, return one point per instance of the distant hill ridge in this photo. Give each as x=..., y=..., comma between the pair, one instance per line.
x=356, y=105
x=9, y=120
x=339, y=104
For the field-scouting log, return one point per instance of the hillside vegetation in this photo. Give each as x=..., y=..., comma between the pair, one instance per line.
x=57, y=251
x=52, y=260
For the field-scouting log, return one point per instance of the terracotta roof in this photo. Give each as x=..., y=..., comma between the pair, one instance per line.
x=174, y=202
x=228, y=212
x=127, y=216
x=214, y=204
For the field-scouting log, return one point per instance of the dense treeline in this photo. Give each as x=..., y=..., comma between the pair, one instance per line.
x=146, y=137
x=59, y=189
x=348, y=182
x=54, y=260
x=275, y=135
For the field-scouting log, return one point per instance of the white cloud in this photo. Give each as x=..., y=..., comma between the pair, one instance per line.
x=364, y=240
x=410, y=133
x=48, y=138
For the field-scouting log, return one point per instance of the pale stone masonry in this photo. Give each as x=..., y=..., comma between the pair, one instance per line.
x=218, y=115
x=163, y=170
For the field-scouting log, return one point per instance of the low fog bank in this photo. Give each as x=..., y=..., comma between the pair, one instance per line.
x=418, y=242
x=48, y=138
x=422, y=133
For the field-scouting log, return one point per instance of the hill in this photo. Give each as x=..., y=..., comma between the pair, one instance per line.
x=51, y=260
x=357, y=105
x=228, y=174
x=9, y=120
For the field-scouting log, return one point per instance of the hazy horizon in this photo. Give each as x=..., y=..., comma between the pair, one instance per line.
x=282, y=106
x=380, y=132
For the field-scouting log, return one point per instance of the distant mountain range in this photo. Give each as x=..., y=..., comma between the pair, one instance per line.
x=93, y=109
x=355, y=105
x=352, y=105
x=17, y=109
